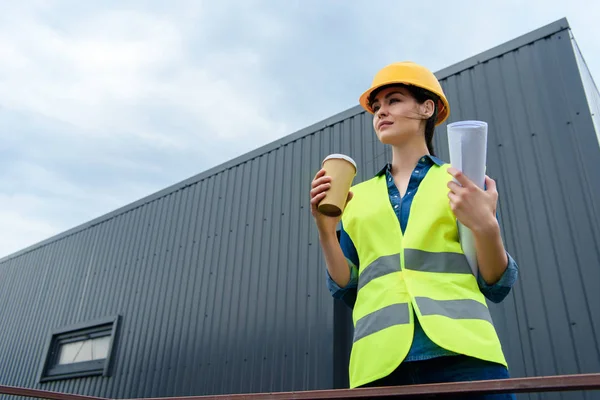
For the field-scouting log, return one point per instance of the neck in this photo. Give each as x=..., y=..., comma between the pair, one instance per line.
x=406, y=156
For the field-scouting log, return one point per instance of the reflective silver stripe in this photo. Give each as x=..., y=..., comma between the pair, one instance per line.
x=427, y=261
x=395, y=314
x=455, y=309
x=382, y=266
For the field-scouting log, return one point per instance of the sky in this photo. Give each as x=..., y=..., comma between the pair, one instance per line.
x=105, y=102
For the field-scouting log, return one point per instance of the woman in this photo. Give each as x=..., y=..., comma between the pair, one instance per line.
x=419, y=313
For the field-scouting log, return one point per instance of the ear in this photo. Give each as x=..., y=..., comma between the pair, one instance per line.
x=427, y=108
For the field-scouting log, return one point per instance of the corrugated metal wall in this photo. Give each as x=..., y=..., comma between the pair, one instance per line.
x=220, y=282
x=545, y=156
x=216, y=292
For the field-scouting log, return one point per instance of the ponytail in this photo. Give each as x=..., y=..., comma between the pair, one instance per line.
x=430, y=130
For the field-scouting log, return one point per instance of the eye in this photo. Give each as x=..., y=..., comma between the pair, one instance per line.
x=375, y=107
x=394, y=100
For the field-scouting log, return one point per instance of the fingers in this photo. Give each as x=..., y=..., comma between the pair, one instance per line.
x=490, y=184
x=319, y=174
x=316, y=199
x=320, y=179
x=460, y=177
x=319, y=189
x=319, y=186
x=455, y=201
x=350, y=195
x=454, y=187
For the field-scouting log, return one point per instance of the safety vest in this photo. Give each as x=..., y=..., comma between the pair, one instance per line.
x=424, y=270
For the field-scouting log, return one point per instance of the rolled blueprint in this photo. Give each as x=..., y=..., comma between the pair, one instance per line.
x=467, y=142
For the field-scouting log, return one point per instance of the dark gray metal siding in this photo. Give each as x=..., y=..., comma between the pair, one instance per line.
x=220, y=282
x=216, y=292
x=544, y=154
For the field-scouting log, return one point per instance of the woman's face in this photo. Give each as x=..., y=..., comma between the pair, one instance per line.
x=397, y=116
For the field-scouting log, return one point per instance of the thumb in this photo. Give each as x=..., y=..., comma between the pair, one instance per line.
x=350, y=196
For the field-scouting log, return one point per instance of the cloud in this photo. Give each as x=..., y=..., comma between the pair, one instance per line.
x=105, y=102
x=112, y=104
x=107, y=71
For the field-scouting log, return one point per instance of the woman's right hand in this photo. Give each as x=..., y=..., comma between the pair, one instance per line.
x=320, y=184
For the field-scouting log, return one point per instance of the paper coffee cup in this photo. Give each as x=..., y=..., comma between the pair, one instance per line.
x=342, y=170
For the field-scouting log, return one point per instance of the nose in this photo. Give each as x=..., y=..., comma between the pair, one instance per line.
x=381, y=112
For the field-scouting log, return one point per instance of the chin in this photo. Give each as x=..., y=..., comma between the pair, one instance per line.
x=390, y=137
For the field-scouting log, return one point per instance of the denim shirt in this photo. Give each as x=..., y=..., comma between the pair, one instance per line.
x=422, y=347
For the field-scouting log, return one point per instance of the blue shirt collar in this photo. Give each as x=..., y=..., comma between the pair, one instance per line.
x=425, y=159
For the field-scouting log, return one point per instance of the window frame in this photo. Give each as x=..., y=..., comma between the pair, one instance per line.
x=51, y=371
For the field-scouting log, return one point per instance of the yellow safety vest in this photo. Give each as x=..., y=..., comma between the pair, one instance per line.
x=424, y=270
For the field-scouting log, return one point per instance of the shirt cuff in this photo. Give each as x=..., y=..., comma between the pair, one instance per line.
x=338, y=291
x=499, y=290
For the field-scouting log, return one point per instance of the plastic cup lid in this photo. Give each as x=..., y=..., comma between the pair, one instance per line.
x=342, y=156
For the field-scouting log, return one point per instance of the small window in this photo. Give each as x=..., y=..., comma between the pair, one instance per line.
x=81, y=350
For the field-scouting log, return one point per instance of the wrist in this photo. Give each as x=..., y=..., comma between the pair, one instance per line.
x=328, y=236
x=487, y=228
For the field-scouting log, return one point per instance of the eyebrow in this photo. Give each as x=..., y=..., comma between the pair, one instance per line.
x=387, y=96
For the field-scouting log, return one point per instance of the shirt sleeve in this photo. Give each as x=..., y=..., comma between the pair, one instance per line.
x=499, y=290
x=348, y=293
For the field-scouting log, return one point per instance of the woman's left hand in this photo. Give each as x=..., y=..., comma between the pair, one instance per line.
x=474, y=208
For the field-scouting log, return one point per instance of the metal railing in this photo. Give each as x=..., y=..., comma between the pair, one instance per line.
x=559, y=383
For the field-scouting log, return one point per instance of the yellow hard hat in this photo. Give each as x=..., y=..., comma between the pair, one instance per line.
x=408, y=73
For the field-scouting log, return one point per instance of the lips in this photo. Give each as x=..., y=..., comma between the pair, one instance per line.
x=383, y=124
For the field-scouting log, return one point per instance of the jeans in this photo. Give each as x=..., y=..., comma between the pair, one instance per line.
x=447, y=369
